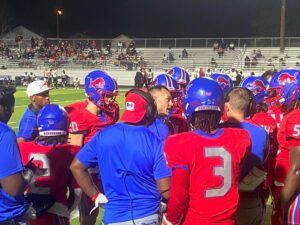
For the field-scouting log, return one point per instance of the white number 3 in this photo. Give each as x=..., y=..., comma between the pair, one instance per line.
x=225, y=171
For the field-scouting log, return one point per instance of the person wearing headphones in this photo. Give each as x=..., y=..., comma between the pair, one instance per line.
x=132, y=165
x=240, y=104
x=164, y=104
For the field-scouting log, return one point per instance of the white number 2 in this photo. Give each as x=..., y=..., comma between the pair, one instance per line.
x=225, y=171
x=296, y=130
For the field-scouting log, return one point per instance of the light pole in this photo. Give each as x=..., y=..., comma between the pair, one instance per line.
x=282, y=26
x=58, y=12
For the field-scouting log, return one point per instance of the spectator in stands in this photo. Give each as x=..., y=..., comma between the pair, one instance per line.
x=165, y=59
x=201, y=72
x=120, y=46
x=220, y=51
x=139, y=79
x=247, y=62
x=185, y=54
x=254, y=62
x=223, y=44
x=232, y=73
x=76, y=83
x=215, y=46
x=38, y=93
x=259, y=54
x=231, y=46
x=213, y=63
x=268, y=75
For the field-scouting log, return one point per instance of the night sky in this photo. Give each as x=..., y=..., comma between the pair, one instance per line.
x=156, y=18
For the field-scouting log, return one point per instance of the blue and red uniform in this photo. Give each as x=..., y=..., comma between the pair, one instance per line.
x=57, y=180
x=205, y=171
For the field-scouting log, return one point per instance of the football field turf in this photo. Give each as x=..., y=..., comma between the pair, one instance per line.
x=65, y=97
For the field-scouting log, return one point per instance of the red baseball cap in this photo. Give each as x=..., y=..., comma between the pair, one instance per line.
x=135, y=108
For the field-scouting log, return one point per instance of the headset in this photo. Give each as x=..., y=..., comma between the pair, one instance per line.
x=151, y=111
x=252, y=103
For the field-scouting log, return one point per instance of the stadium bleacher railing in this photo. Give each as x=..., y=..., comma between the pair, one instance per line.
x=255, y=42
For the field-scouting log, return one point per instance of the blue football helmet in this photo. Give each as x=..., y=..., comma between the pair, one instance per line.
x=223, y=80
x=203, y=94
x=52, y=120
x=98, y=85
x=258, y=85
x=180, y=75
x=290, y=93
x=167, y=81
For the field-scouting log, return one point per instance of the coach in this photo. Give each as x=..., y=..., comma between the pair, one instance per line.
x=240, y=104
x=132, y=165
x=38, y=92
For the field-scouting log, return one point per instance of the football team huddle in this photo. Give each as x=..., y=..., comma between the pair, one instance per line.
x=198, y=152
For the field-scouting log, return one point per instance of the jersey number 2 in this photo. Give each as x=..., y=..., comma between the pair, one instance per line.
x=224, y=171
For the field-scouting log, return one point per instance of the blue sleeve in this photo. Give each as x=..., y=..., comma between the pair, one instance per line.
x=160, y=169
x=27, y=125
x=10, y=160
x=88, y=154
x=159, y=129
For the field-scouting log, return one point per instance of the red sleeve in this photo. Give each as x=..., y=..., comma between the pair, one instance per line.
x=78, y=122
x=178, y=201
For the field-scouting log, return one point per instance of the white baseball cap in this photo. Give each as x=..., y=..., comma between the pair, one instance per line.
x=37, y=87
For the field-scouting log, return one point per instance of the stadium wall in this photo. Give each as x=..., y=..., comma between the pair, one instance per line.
x=124, y=78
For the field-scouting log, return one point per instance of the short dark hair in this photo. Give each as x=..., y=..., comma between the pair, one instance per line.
x=7, y=98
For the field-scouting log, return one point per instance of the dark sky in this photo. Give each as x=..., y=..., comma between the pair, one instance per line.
x=157, y=18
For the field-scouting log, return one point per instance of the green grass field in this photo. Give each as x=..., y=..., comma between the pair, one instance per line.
x=65, y=97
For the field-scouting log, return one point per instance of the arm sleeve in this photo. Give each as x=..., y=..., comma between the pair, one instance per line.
x=178, y=201
x=27, y=126
x=88, y=154
x=160, y=165
x=10, y=160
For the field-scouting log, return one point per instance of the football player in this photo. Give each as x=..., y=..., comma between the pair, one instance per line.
x=51, y=152
x=86, y=118
x=276, y=90
x=205, y=162
x=289, y=198
x=282, y=166
x=177, y=118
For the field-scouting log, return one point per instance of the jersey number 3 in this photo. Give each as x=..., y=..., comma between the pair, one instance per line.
x=224, y=171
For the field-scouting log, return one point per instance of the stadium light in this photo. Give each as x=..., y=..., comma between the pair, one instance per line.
x=59, y=13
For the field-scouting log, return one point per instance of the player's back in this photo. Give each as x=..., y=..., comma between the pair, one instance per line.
x=214, y=163
x=57, y=160
x=266, y=121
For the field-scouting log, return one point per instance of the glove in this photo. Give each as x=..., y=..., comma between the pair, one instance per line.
x=165, y=221
x=98, y=199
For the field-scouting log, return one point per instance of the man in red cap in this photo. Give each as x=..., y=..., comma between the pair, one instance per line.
x=132, y=165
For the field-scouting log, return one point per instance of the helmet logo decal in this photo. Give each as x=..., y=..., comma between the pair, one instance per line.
x=98, y=83
x=223, y=82
x=286, y=78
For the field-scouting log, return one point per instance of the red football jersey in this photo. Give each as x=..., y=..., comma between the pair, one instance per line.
x=177, y=124
x=276, y=113
x=292, y=128
x=57, y=160
x=213, y=165
x=81, y=120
